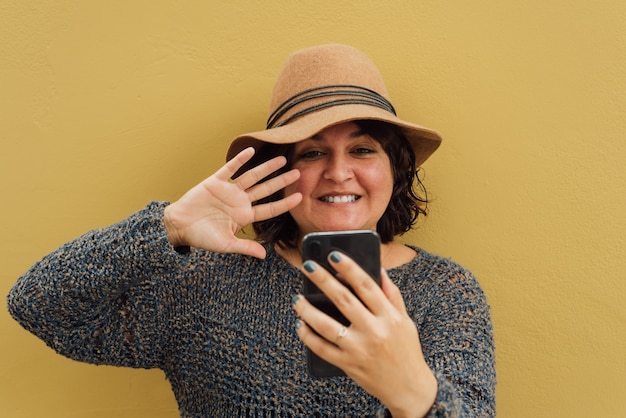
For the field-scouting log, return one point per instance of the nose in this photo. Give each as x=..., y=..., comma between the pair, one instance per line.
x=338, y=169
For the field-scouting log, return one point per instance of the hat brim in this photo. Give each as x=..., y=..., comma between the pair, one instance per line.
x=424, y=141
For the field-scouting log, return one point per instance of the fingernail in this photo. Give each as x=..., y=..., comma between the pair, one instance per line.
x=309, y=266
x=295, y=299
x=335, y=257
x=297, y=324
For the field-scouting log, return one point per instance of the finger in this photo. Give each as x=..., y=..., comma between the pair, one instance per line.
x=234, y=164
x=273, y=209
x=392, y=292
x=323, y=348
x=248, y=247
x=258, y=173
x=269, y=187
x=326, y=327
x=362, y=283
x=340, y=295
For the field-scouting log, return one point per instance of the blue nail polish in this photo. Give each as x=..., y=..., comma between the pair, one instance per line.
x=309, y=266
x=297, y=324
x=335, y=257
x=295, y=299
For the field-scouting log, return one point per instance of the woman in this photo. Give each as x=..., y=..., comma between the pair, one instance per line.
x=219, y=320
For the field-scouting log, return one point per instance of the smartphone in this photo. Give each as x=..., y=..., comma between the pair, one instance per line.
x=363, y=246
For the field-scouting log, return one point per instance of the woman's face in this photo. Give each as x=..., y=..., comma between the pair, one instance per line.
x=345, y=180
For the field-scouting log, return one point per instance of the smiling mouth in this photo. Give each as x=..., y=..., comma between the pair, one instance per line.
x=340, y=199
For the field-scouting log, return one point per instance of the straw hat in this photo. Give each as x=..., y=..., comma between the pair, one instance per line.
x=326, y=85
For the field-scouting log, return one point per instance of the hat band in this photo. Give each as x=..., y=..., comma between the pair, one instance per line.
x=357, y=95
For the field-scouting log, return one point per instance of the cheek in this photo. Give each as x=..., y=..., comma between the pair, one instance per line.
x=380, y=177
x=383, y=188
x=304, y=183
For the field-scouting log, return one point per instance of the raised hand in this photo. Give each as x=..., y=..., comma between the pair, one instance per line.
x=210, y=214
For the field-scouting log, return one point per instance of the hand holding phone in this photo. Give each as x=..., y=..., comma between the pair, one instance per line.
x=363, y=246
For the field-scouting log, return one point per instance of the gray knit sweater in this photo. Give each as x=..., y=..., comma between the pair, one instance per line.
x=221, y=326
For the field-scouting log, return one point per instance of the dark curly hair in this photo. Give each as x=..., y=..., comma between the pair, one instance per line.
x=408, y=199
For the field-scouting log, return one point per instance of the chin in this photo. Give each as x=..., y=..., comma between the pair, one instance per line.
x=343, y=227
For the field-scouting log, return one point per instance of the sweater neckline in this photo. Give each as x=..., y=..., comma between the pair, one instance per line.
x=272, y=255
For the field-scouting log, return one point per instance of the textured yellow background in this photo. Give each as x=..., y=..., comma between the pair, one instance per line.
x=107, y=105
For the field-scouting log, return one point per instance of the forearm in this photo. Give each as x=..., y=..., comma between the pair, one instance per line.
x=451, y=396
x=457, y=343
x=77, y=299
x=462, y=353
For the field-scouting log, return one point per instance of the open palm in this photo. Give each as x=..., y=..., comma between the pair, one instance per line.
x=210, y=214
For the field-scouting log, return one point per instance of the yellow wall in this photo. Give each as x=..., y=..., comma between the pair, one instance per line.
x=107, y=105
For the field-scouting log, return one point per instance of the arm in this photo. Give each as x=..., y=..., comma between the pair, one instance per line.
x=96, y=299
x=457, y=340
x=99, y=298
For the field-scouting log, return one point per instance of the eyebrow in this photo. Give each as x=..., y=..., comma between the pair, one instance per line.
x=356, y=134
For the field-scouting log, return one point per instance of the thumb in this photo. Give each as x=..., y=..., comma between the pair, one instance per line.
x=392, y=292
x=248, y=247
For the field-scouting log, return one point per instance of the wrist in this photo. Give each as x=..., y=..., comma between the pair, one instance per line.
x=173, y=236
x=421, y=402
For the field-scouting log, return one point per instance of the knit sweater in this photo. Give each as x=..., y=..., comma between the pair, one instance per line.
x=221, y=326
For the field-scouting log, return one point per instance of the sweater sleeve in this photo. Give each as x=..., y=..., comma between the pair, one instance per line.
x=98, y=298
x=457, y=340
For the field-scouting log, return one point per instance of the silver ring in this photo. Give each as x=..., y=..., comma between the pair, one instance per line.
x=343, y=331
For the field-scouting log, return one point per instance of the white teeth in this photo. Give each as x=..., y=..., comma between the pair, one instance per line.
x=339, y=199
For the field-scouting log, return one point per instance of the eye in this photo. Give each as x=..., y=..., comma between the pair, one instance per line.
x=363, y=150
x=310, y=155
